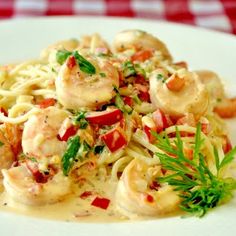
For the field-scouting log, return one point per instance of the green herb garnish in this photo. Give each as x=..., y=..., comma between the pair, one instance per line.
x=200, y=189
x=69, y=156
x=128, y=69
x=80, y=120
x=84, y=64
x=83, y=151
x=1, y=144
x=120, y=103
x=102, y=74
x=62, y=55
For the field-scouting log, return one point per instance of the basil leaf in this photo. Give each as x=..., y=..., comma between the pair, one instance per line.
x=84, y=65
x=69, y=156
x=62, y=55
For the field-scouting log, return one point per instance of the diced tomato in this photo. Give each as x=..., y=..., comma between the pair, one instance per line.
x=108, y=117
x=71, y=62
x=128, y=100
x=47, y=103
x=205, y=126
x=142, y=55
x=149, y=198
x=114, y=139
x=144, y=96
x=227, y=146
x=160, y=120
x=101, y=202
x=85, y=194
x=2, y=110
x=38, y=176
x=68, y=133
x=175, y=83
x=139, y=79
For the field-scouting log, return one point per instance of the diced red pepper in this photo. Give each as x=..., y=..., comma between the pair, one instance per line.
x=47, y=103
x=108, y=117
x=142, y=55
x=160, y=120
x=149, y=198
x=85, y=194
x=2, y=110
x=114, y=139
x=101, y=202
x=68, y=133
x=128, y=100
x=71, y=62
x=148, y=131
x=227, y=146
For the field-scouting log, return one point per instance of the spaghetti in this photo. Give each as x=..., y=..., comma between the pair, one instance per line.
x=88, y=115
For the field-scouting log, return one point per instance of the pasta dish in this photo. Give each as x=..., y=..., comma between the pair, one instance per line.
x=90, y=131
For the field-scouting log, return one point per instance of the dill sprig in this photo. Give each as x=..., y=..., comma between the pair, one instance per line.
x=200, y=189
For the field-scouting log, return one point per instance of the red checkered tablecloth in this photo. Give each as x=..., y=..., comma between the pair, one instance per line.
x=214, y=14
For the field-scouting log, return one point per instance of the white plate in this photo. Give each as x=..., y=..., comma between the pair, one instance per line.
x=23, y=39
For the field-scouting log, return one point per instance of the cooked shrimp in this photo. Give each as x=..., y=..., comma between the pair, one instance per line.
x=135, y=197
x=6, y=154
x=76, y=89
x=21, y=187
x=213, y=84
x=139, y=40
x=192, y=96
x=40, y=133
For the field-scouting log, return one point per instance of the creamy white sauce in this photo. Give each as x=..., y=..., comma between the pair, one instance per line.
x=73, y=208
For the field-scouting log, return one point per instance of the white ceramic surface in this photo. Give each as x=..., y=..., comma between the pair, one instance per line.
x=202, y=49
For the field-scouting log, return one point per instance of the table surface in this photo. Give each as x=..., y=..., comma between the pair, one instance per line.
x=214, y=14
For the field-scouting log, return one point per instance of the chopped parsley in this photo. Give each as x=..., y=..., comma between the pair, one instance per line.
x=1, y=144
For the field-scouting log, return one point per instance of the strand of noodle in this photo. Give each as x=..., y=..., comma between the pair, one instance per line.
x=19, y=67
x=19, y=108
x=19, y=119
x=140, y=138
x=108, y=157
x=140, y=156
x=35, y=71
x=29, y=83
x=144, y=108
x=117, y=166
x=11, y=93
x=140, y=149
x=45, y=92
